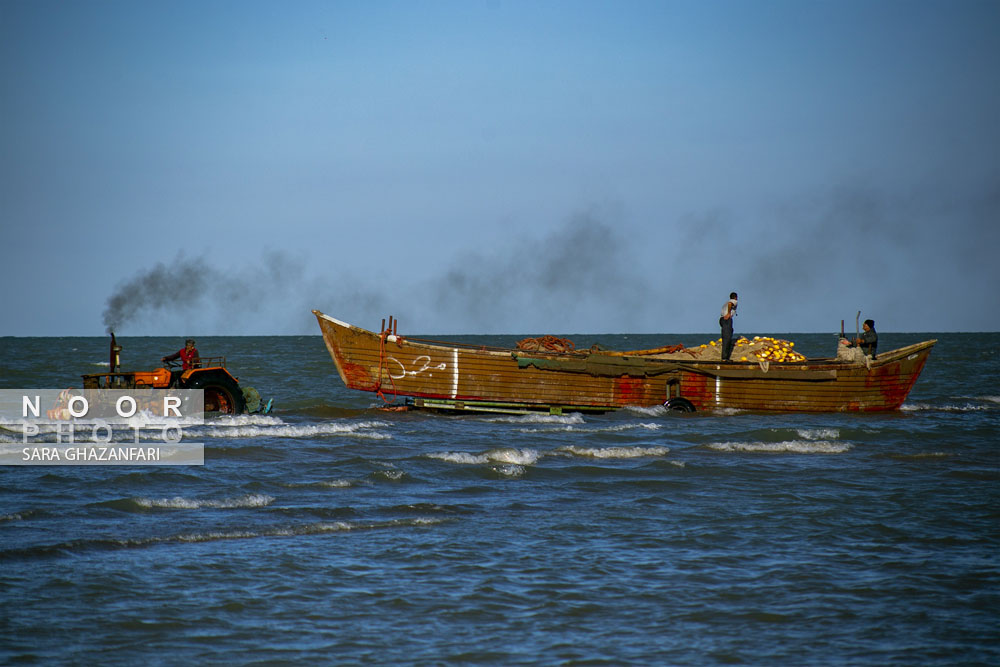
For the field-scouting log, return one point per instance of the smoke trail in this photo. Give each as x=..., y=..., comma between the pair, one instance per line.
x=797, y=263
x=189, y=285
x=180, y=285
x=271, y=294
x=582, y=266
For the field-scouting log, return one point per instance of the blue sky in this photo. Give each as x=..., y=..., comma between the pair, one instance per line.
x=197, y=168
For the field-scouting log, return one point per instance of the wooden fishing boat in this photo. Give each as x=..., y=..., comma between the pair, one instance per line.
x=452, y=376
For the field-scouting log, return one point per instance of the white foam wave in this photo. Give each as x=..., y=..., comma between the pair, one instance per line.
x=613, y=428
x=310, y=529
x=509, y=470
x=642, y=425
x=177, y=502
x=329, y=484
x=967, y=407
x=319, y=528
x=788, y=446
x=652, y=411
x=539, y=418
x=513, y=455
x=283, y=430
x=508, y=455
x=819, y=433
x=614, y=452
x=460, y=457
x=420, y=521
x=244, y=420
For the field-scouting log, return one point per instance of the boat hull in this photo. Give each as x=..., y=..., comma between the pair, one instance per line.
x=459, y=376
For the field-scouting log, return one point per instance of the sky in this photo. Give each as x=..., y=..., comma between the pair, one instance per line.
x=224, y=167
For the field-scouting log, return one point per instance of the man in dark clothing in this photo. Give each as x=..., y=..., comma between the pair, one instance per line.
x=726, y=322
x=868, y=341
x=188, y=356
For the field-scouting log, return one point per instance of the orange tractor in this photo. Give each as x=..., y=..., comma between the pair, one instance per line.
x=223, y=392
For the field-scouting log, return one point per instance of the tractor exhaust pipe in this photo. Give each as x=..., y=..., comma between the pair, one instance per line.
x=115, y=357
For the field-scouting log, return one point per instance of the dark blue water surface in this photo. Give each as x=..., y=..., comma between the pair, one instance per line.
x=333, y=532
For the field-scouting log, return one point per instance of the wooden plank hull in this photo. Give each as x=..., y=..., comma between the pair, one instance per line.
x=511, y=380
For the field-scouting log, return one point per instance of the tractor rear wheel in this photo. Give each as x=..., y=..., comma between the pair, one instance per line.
x=222, y=394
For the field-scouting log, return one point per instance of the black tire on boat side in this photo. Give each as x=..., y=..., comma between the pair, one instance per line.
x=222, y=394
x=678, y=404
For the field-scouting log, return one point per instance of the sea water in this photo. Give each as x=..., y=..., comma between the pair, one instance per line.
x=332, y=532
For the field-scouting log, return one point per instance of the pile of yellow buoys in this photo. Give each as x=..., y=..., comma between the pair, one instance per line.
x=760, y=348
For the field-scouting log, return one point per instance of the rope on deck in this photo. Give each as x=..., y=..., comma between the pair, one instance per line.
x=546, y=344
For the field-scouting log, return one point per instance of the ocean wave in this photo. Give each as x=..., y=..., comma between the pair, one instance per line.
x=651, y=411
x=509, y=470
x=508, y=455
x=788, y=446
x=513, y=455
x=949, y=407
x=819, y=433
x=237, y=429
x=251, y=500
x=612, y=428
x=614, y=452
x=319, y=528
x=329, y=484
x=17, y=516
x=390, y=475
x=244, y=420
x=921, y=455
x=537, y=418
x=310, y=529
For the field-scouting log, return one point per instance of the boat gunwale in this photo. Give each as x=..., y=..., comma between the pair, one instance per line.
x=887, y=357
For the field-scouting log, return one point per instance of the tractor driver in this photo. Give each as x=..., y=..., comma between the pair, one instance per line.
x=188, y=356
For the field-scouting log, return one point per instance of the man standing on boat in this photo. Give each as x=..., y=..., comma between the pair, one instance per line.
x=726, y=322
